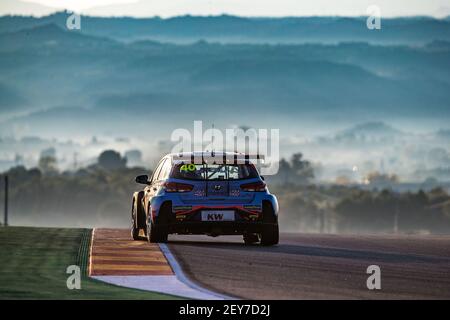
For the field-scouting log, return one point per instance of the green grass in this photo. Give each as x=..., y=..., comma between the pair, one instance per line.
x=33, y=263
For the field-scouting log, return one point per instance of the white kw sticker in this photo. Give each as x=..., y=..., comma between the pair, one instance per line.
x=218, y=215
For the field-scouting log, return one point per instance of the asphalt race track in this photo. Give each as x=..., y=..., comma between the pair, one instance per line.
x=318, y=266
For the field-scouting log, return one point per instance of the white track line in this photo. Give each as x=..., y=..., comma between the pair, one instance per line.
x=177, y=285
x=185, y=280
x=90, y=252
x=160, y=284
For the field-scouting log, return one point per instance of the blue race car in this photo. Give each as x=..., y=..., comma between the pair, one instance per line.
x=193, y=193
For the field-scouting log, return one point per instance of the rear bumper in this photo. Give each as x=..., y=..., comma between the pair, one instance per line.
x=217, y=228
x=183, y=207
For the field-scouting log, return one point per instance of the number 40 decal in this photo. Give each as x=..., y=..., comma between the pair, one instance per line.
x=188, y=167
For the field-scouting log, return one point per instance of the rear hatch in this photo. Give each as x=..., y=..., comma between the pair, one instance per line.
x=217, y=188
x=214, y=182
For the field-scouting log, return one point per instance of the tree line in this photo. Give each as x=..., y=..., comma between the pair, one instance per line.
x=100, y=195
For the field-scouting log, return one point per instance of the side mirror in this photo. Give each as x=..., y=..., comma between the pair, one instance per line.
x=262, y=178
x=142, y=179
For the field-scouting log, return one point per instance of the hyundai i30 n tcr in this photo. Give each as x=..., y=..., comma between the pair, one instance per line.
x=205, y=193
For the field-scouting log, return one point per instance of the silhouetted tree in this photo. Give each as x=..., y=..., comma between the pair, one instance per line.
x=381, y=180
x=284, y=171
x=111, y=160
x=298, y=171
x=302, y=169
x=48, y=165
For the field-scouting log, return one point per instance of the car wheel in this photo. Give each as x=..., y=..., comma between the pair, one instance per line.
x=157, y=231
x=134, y=229
x=250, y=238
x=151, y=232
x=156, y=234
x=270, y=233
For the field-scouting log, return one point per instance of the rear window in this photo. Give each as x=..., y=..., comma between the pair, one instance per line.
x=214, y=171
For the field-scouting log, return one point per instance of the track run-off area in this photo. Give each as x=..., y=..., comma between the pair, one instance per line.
x=113, y=253
x=302, y=266
x=117, y=259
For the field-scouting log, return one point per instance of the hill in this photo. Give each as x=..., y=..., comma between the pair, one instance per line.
x=232, y=29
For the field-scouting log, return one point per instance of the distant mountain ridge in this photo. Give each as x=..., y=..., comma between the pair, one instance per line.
x=45, y=34
x=108, y=83
x=226, y=29
x=372, y=129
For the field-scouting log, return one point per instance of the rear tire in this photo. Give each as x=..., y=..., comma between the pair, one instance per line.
x=270, y=235
x=134, y=228
x=156, y=234
x=137, y=216
x=158, y=231
x=270, y=232
x=135, y=234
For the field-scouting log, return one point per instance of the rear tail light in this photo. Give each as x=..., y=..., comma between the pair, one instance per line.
x=177, y=187
x=254, y=187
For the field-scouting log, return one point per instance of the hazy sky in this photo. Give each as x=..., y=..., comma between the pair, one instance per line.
x=166, y=8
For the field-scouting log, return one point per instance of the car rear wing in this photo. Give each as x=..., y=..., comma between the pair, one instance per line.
x=218, y=158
